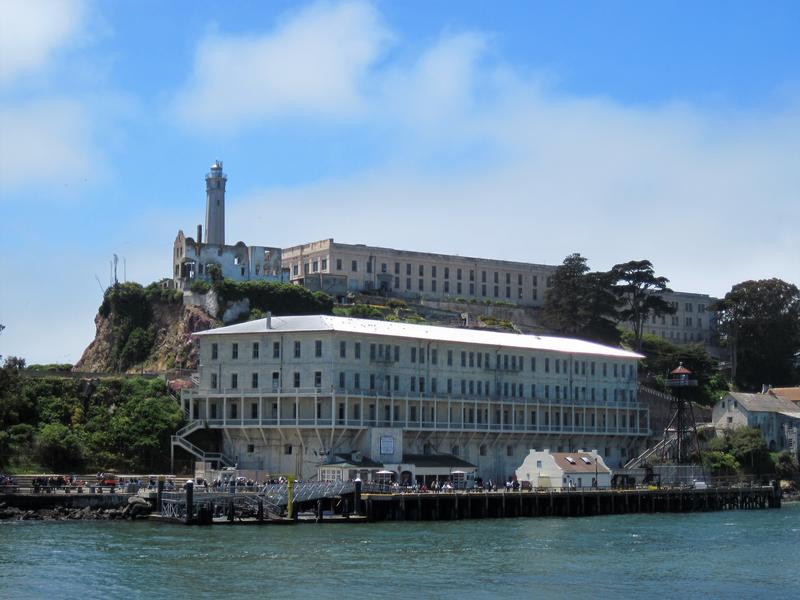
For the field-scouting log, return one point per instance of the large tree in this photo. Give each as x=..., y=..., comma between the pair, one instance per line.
x=638, y=291
x=761, y=322
x=580, y=303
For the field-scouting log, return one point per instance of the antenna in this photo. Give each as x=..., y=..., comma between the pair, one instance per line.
x=116, y=260
x=124, y=270
x=102, y=291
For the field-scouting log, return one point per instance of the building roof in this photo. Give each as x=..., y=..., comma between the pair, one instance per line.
x=309, y=323
x=787, y=393
x=573, y=462
x=764, y=403
x=346, y=462
x=436, y=460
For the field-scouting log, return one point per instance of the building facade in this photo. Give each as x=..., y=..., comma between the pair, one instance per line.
x=408, y=274
x=289, y=394
x=566, y=470
x=692, y=322
x=777, y=419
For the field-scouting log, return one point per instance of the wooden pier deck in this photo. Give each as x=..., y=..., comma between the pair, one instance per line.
x=483, y=505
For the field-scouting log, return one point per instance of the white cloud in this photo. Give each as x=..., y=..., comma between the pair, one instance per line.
x=32, y=30
x=44, y=142
x=710, y=197
x=313, y=64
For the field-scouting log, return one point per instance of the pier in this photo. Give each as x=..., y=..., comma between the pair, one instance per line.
x=572, y=503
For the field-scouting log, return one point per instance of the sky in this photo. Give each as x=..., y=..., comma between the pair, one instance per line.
x=526, y=131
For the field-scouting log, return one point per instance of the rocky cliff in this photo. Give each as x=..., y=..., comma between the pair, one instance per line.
x=170, y=329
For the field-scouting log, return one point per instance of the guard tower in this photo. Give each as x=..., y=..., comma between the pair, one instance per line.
x=680, y=436
x=215, y=204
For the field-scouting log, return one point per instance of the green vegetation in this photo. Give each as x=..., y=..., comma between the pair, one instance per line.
x=761, y=321
x=742, y=450
x=129, y=308
x=64, y=424
x=60, y=367
x=662, y=356
x=580, y=303
x=496, y=323
x=279, y=298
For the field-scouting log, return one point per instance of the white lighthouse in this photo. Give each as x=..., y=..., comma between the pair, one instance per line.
x=215, y=204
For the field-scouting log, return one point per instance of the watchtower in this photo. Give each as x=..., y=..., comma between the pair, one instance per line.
x=215, y=204
x=680, y=436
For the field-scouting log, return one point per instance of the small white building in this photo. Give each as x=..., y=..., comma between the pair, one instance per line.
x=544, y=469
x=778, y=419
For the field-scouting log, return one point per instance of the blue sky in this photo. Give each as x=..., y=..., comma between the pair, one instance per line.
x=514, y=130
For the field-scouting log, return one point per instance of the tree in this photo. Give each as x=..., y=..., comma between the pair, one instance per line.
x=747, y=446
x=59, y=447
x=637, y=288
x=786, y=466
x=580, y=303
x=761, y=322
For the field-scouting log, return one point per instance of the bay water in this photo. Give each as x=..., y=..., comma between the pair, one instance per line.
x=735, y=554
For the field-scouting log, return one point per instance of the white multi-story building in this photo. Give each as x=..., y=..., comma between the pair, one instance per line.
x=290, y=394
x=340, y=268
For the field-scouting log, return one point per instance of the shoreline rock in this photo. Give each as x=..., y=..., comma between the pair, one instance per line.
x=131, y=512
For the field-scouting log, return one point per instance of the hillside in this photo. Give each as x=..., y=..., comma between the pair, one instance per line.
x=140, y=330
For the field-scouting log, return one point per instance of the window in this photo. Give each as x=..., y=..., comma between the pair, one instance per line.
x=338, y=264
x=317, y=379
x=447, y=272
x=449, y=358
x=318, y=348
x=341, y=381
x=276, y=349
x=343, y=349
x=324, y=264
x=483, y=450
x=254, y=381
x=234, y=351
x=213, y=381
x=214, y=351
x=234, y=411
x=234, y=381
x=287, y=449
x=357, y=350
x=397, y=268
x=255, y=349
x=463, y=359
x=296, y=379
x=357, y=381
x=509, y=450
x=354, y=266
x=458, y=273
x=434, y=356
x=413, y=355
x=383, y=267
x=314, y=266
x=369, y=265
x=297, y=349
x=421, y=285
x=251, y=447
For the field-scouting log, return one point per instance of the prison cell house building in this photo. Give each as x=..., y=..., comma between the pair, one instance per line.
x=291, y=394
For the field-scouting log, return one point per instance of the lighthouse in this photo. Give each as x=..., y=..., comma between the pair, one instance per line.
x=215, y=204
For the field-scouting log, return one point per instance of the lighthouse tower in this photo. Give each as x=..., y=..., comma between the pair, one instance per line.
x=215, y=204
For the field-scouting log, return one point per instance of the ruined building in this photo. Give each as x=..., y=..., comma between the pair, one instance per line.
x=191, y=258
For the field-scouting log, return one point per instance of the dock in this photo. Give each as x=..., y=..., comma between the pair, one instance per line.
x=567, y=503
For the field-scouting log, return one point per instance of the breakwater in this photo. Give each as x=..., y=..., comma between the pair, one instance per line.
x=483, y=505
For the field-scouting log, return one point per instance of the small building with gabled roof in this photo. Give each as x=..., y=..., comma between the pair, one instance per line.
x=778, y=419
x=567, y=470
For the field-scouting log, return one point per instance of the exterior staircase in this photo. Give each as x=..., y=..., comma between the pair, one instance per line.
x=216, y=457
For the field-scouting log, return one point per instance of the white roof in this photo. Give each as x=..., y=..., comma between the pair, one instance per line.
x=421, y=332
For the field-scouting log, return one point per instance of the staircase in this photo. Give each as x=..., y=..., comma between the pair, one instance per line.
x=664, y=445
x=190, y=427
x=200, y=454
